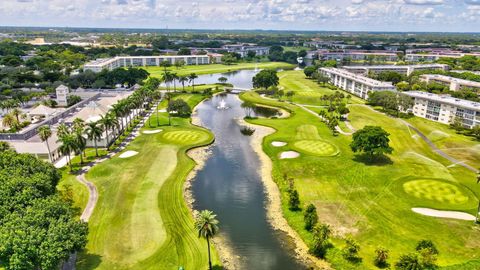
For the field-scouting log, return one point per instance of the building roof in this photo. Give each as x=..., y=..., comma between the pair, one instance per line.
x=42, y=110
x=397, y=66
x=451, y=79
x=445, y=99
x=359, y=78
x=92, y=112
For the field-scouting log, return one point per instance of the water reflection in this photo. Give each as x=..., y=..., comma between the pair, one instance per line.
x=230, y=185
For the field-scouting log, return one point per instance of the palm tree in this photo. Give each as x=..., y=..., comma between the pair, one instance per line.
x=119, y=111
x=108, y=122
x=183, y=80
x=192, y=78
x=16, y=112
x=207, y=227
x=45, y=133
x=94, y=132
x=62, y=130
x=9, y=121
x=167, y=78
x=168, y=98
x=174, y=78
x=80, y=141
x=68, y=145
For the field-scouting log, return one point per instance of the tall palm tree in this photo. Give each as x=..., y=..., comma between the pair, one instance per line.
x=192, y=78
x=167, y=78
x=17, y=113
x=168, y=98
x=119, y=111
x=45, y=133
x=94, y=132
x=62, y=130
x=207, y=227
x=183, y=80
x=80, y=141
x=108, y=122
x=174, y=78
x=68, y=145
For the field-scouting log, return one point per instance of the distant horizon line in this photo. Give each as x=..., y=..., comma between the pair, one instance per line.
x=237, y=30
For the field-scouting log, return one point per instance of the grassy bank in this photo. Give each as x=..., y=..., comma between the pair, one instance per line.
x=141, y=220
x=371, y=202
x=216, y=68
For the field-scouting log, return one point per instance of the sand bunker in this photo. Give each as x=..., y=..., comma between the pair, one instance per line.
x=289, y=154
x=443, y=214
x=152, y=131
x=128, y=154
x=278, y=143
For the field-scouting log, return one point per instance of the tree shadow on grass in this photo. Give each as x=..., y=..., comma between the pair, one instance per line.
x=373, y=160
x=217, y=267
x=88, y=260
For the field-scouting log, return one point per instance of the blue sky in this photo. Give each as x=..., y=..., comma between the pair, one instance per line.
x=370, y=15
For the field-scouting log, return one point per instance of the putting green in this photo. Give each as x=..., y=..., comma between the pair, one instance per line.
x=436, y=190
x=184, y=137
x=316, y=147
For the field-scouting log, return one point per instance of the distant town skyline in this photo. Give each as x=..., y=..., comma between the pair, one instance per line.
x=328, y=15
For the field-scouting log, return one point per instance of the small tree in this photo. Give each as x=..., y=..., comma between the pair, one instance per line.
x=310, y=217
x=321, y=233
x=409, y=262
x=371, y=140
x=223, y=79
x=265, y=79
x=428, y=252
x=179, y=107
x=294, y=200
x=309, y=71
x=381, y=257
x=350, y=251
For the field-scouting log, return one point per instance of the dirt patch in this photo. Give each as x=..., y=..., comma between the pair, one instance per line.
x=337, y=216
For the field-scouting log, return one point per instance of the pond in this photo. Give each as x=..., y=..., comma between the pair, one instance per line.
x=230, y=185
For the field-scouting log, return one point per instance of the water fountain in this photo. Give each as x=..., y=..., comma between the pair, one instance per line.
x=222, y=105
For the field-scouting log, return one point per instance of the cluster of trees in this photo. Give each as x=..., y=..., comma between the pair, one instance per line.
x=278, y=54
x=457, y=125
x=468, y=62
x=265, y=79
x=108, y=79
x=392, y=103
x=74, y=138
x=39, y=228
x=14, y=119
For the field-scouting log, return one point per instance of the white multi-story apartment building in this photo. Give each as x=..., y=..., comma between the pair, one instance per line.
x=444, y=108
x=431, y=57
x=358, y=55
x=243, y=49
x=356, y=84
x=454, y=84
x=402, y=69
x=142, y=61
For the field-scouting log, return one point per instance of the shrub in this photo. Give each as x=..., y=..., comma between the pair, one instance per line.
x=350, y=251
x=294, y=200
x=310, y=217
x=381, y=257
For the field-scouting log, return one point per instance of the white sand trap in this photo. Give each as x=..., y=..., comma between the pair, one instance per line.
x=443, y=214
x=152, y=131
x=128, y=154
x=289, y=154
x=162, y=110
x=278, y=143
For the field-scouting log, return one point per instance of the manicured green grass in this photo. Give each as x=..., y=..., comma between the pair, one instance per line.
x=459, y=146
x=368, y=200
x=141, y=220
x=438, y=191
x=315, y=147
x=216, y=68
x=307, y=91
x=78, y=191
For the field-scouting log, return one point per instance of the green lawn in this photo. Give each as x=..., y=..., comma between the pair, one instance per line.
x=306, y=91
x=459, y=146
x=216, y=68
x=141, y=220
x=372, y=202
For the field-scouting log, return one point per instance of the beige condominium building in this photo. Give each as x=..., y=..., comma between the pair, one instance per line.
x=143, y=61
x=444, y=108
x=402, y=69
x=354, y=83
x=454, y=84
